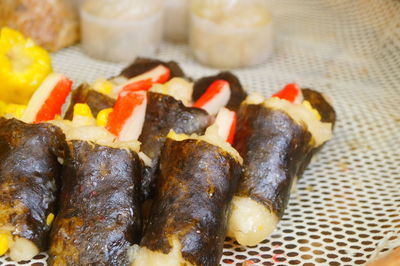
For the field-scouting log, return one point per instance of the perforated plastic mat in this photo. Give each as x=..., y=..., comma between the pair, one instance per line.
x=347, y=206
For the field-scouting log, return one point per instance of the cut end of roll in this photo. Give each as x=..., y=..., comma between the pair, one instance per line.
x=22, y=249
x=250, y=222
x=147, y=257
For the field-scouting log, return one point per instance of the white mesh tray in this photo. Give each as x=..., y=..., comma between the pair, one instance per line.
x=347, y=205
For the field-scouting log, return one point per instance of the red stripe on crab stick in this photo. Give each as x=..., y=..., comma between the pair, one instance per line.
x=127, y=118
x=216, y=96
x=159, y=74
x=226, y=122
x=291, y=92
x=141, y=85
x=47, y=101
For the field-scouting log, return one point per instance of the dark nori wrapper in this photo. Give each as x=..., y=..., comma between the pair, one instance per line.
x=142, y=65
x=99, y=216
x=164, y=113
x=193, y=195
x=85, y=94
x=238, y=95
x=273, y=147
x=318, y=102
x=328, y=115
x=29, y=177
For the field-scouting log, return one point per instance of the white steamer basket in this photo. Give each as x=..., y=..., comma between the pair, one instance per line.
x=346, y=209
x=120, y=40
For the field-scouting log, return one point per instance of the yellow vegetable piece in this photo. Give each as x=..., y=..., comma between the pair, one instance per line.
x=103, y=86
x=3, y=243
x=16, y=110
x=82, y=109
x=3, y=107
x=102, y=117
x=23, y=66
x=49, y=219
x=309, y=106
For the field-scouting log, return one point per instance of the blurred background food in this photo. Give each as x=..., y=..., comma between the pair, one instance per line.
x=222, y=33
x=121, y=30
x=230, y=33
x=176, y=20
x=53, y=24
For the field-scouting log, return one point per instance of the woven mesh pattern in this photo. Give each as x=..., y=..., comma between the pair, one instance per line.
x=347, y=206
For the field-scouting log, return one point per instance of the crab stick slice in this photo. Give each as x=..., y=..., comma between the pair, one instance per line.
x=291, y=92
x=216, y=96
x=127, y=118
x=159, y=74
x=48, y=99
x=226, y=122
x=141, y=85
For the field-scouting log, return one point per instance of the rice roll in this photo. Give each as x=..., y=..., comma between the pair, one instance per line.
x=99, y=217
x=189, y=215
x=168, y=108
x=29, y=179
x=96, y=100
x=143, y=64
x=276, y=138
x=238, y=94
x=102, y=93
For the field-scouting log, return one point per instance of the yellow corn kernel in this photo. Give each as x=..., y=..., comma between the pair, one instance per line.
x=102, y=117
x=49, y=219
x=3, y=243
x=175, y=136
x=103, y=86
x=23, y=66
x=82, y=109
x=16, y=110
x=315, y=112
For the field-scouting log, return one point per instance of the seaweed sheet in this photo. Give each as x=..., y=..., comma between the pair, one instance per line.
x=238, y=95
x=99, y=217
x=193, y=195
x=164, y=113
x=29, y=177
x=273, y=147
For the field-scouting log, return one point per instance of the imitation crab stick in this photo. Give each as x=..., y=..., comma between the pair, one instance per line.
x=48, y=99
x=226, y=122
x=291, y=92
x=159, y=74
x=216, y=96
x=127, y=118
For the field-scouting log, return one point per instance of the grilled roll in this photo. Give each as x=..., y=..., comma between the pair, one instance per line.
x=188, y=220
x=29, y=178
x=99, y=215
x=277, y=140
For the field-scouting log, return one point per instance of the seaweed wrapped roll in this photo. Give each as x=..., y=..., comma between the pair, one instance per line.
x=188, y=220
x=99, y=217
x=276, y=138
x=29, y=176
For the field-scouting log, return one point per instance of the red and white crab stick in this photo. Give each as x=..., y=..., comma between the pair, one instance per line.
x=216, y=96
x=226, y=122
x=159, y=74
x=48, y=99
x=127, y=118
x=291, y=92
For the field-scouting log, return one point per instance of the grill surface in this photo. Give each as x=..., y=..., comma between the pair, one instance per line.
x=347, y=206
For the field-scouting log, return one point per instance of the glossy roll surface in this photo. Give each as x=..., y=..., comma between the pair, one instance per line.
x=29, y=177
x=99, y=214
x=190, y=210
x=164, y=113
